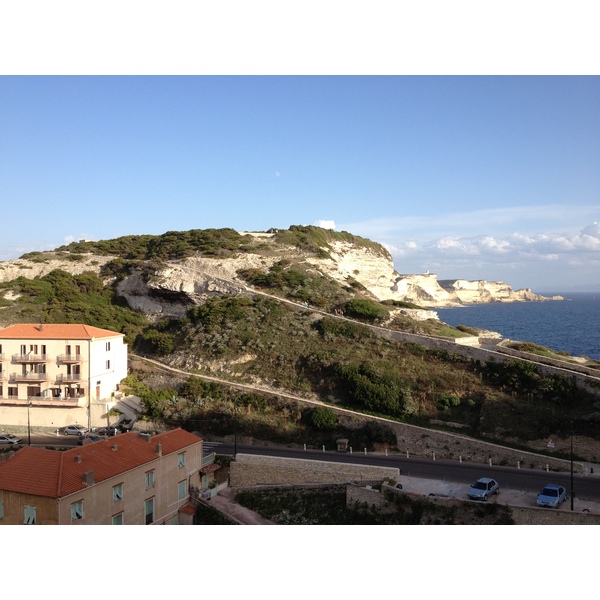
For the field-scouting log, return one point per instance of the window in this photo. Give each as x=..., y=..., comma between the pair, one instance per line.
x=108, y=346
x=29, y=515
x=1, y=509
x=107, y=365
x=77, y=510
x=181, y=460
x=149, y=510
x=118, y=492
x=181, y=490
x=118, y=519
x=149, y=479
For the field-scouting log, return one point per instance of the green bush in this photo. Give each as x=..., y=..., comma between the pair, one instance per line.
x=363, y=308
x=323, y=418
x=445, y=401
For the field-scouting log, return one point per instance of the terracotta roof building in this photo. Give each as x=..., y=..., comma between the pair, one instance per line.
x=132, y=479
x=59, y=366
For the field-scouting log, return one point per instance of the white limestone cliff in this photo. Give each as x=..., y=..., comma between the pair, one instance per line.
x=192, y=280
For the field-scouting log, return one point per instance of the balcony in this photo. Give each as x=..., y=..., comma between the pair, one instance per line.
x=68, y=378
x=69, y=358
x=30, y=358
x=27, y=377
x=48, y=401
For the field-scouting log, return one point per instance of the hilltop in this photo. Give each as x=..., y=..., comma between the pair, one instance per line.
x=304, y=310
x=164, y=275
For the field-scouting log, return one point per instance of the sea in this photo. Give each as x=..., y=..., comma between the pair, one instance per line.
x=571, y=325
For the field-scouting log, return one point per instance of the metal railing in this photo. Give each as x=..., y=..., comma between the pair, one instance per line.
x=67, y=378
x=33, y=376
x=69, y=358
x=30, y=357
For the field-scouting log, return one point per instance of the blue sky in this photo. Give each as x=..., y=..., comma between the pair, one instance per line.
x=471, y=177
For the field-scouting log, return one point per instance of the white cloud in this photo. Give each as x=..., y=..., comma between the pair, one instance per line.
x=521, y=257
x=326, y=224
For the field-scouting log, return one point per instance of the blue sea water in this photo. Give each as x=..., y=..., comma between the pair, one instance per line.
x=572, y=325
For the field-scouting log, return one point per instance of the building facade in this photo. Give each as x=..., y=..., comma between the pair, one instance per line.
x=59, y=366
x=130, y=479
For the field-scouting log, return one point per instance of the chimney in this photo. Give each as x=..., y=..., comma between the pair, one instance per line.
x=78, y=458
x=159, y=449
x=41, y=326
x=88, y=478
x=145, y=436
x=114, y=447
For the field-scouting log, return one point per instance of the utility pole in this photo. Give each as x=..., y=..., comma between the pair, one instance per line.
x=572, y=492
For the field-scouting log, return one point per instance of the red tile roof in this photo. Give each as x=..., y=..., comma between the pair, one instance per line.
x=55, y=474
x=55, y=331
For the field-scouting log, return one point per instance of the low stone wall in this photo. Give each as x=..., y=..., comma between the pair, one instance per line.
x=361, y=494
x=251, y=470
x=418, y=441
x=562, y=364
x=547, y=516
x=589, y=379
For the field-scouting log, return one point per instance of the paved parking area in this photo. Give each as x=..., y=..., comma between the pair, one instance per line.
x=448, y=489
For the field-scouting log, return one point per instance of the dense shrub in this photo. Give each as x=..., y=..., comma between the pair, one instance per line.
x=323, y=418
x=60, y=297
x=374, y=387
x=363, y=308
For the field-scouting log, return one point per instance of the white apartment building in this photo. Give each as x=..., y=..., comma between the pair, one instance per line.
x=72, y=369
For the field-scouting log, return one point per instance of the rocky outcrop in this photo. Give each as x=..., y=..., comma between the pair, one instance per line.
x=48, y=262
x=477, y=292
x=181, y=284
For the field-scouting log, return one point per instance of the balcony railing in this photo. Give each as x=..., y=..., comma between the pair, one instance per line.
x=73, y=377
x=69, y=358
x=29, y=358
x=15, y=377
x=40, y=401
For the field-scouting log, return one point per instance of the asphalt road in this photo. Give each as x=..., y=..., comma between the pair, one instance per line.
x=525, y=480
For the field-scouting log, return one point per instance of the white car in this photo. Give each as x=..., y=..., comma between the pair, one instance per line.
x=483, y=488
x=552, y=495
x=9, y=438
x=74, y=430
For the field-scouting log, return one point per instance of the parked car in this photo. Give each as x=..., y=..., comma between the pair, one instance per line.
x=88, y=437
x=552, y=495
x=74, y=430
x=125, y=425
x=111, y=430
x=9, y=438
x=483, y=488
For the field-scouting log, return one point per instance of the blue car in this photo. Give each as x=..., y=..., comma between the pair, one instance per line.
x=86, y=438
x=552, y=495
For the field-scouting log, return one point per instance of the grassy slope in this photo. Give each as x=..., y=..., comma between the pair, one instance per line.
x=262, y=339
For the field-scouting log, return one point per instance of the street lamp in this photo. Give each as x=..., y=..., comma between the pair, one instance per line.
x=234, y=429
x=28, y=424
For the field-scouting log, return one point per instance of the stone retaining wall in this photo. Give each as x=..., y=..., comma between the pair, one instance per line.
x=418, y=441
x=589, y=379
x=521, y=515
x=547, y=516
x=250, y=470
